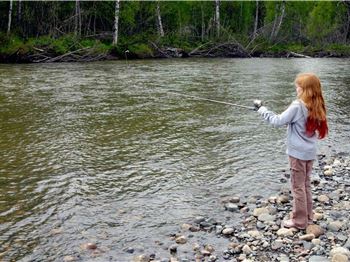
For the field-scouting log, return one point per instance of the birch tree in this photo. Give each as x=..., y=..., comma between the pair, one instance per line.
x=77, y=29
x=256, y=19
x=278, y=20
x=283, y=8
x=116, y=22
x=10, y=18
x=217, y=17
x=159, y=21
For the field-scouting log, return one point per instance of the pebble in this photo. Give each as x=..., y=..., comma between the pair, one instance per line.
x=285, y=232
x=335, y=226
x=255, y=234
x=69, y=259
x=323, y=199
x=259, y=211
x=316, y=241
x=181, y=240
x=141, y=258
x=247, y=250
x=307, y=237
x=328, y=172
x=231, y=207
x=228, y=231
x=89, y=246
x=318, y=259
x=266, y=217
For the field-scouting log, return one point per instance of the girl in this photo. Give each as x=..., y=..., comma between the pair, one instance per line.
x=306, y=120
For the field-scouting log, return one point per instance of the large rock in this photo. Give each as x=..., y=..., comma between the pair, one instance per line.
x=340, y=250
x=315, y=229
x=340, y=258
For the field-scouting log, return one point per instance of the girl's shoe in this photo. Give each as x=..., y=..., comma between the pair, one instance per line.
x=289, y=224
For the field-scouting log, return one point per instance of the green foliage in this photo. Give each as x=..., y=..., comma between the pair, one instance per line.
x=50, y=25
x=323, y=20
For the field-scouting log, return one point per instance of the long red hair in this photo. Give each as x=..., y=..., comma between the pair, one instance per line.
x=312, y=97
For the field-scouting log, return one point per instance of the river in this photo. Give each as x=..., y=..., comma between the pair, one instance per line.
x=103, y=152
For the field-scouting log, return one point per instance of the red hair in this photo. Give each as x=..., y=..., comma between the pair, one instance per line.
x=312, y=97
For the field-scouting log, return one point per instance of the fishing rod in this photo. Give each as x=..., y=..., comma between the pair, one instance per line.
x=212, y=100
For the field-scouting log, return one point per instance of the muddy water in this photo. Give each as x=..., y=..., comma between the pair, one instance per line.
x=101, y=152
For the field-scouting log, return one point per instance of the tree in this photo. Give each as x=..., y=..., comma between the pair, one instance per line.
x=159, y=21
x=10, y=18
x=217, y=17
x=256, y=19
x=77, y=19
x=116, y=23
x=279, y=15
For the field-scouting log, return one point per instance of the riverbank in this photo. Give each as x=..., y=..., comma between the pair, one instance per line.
x=258, y=233
x=70, y=49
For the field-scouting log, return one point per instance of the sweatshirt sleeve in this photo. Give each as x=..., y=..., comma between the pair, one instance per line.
x=287, y=117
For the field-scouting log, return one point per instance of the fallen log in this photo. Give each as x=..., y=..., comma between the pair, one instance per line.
x=293, y=54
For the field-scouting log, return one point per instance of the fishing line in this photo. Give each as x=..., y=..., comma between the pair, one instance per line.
x=211, y=100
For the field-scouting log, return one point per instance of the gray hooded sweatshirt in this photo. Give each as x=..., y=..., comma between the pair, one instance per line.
x=299, y=145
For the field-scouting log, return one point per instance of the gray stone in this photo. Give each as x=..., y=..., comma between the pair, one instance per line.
x=318, y=259
x=277, y=244
x=231, y=207
x=266, y=217
x=199, y=219
x=335, y=226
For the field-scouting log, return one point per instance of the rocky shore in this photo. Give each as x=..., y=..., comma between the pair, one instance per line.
x=258, y=233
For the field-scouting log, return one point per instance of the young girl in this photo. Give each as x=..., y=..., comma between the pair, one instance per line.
x=306, y=120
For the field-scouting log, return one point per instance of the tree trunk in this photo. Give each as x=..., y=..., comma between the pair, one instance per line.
x=280, y=19
x=203, y=24
x=256, y=19
x=77, y=26
x=159, y=20
x=274, y=23
x=10, y=18
x=19, y=14
x=347, y=26
x=217, y=17
x=116, y=22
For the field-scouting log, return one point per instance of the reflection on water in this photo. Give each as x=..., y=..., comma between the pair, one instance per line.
x=102, y=152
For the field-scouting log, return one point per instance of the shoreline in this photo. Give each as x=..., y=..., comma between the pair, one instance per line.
x=259, y=235
x=91, y=54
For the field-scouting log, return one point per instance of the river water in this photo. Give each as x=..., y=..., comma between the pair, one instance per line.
x=102, y=152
